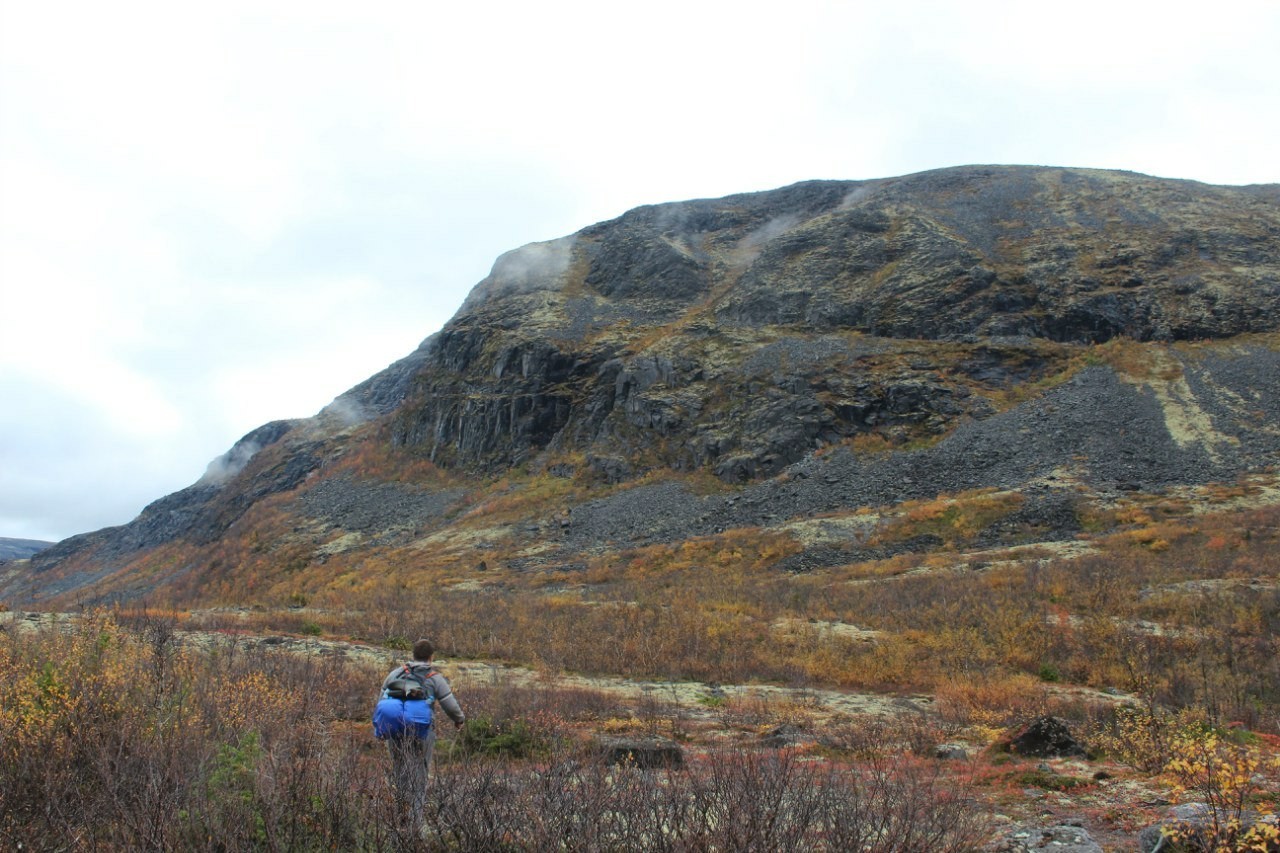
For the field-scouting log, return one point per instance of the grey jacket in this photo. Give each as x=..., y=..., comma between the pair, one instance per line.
x=439, y=686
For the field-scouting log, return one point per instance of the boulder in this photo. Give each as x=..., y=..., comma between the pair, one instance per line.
x=646, y=753
x=1047, y=737
x=786, y=735
x=950, y=752
x=611, y=469
x=1195, y=822
x=1062, y=838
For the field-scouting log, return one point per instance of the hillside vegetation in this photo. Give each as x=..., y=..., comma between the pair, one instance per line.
x=960, y=426
x=1001, y=439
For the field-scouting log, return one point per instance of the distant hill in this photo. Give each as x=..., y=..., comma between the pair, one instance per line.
x=20, y=549
x=828, y=351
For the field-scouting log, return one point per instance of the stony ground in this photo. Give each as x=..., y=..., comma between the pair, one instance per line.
x=1096, y=430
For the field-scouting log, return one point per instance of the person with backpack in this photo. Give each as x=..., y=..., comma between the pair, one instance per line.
x=404, y=718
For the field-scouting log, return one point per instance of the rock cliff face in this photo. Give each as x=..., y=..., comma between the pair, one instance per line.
x=751, y=329
x=825, y=345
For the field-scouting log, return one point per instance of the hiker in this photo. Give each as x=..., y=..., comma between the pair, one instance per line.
x=411, y=745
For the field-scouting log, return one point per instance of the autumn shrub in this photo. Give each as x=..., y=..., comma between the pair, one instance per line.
x=874, y=736
x=1226, y=776
x=124, y=739
x=951, y=518
x=134, y=738
x=1125, y=617
x=1048, y=780
x=378, y=458
x=995, y=701
x=548, y=700
x=740, y=801
x=862, y=737
x=1143, y=737
x=1081, y=618
x=755, y=710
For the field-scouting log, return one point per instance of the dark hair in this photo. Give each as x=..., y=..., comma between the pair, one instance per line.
x=423, y=650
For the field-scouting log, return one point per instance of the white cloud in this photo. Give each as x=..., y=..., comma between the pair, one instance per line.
x=214, y=216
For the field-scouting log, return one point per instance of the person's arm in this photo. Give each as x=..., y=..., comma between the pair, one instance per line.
x=449, y=702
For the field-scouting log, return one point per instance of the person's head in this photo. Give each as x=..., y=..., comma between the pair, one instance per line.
x=423, y=650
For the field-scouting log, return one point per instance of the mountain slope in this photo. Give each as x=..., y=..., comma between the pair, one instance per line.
x=20, y=549
x=1057, y=338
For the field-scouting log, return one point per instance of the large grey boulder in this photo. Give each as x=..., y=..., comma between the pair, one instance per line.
x=1194, y=821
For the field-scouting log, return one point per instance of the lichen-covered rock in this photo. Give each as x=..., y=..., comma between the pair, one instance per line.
x=1061, y=838
x=950, y=752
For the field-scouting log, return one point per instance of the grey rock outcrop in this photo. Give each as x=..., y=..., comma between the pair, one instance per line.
x=756, y=297
x=1061, y=838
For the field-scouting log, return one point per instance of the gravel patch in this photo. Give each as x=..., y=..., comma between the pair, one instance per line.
x=364, y=506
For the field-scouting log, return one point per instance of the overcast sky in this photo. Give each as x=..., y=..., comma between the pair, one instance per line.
x=214, y=215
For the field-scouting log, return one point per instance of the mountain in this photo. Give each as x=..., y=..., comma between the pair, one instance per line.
x=1035, y=343
x=20, y=549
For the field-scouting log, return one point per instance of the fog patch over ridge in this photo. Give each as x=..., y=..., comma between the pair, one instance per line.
x=346, y=411
x=229, y=464
x=532, y=267
x=855, y=197
x=750, y=246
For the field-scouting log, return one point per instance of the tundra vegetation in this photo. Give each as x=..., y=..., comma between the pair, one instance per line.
x=1156, y=638
x=116, y=736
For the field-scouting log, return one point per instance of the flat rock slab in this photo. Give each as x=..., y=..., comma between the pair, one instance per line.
x=1063, y=838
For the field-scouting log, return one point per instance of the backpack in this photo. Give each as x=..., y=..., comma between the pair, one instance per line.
x=405, y=706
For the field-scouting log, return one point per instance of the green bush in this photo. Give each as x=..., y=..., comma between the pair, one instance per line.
x=1049, y=780
x=512, y=738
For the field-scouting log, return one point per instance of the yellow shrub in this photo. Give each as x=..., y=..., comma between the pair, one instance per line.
x=991, y=700
x=1226, y=776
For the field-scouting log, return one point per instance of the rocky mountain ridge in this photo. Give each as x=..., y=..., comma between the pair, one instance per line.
x=20, y=549
x=1058, y=334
